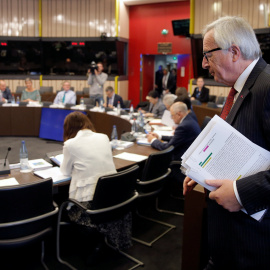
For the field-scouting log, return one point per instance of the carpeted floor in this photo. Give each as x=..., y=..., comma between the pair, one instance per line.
x=165, y=254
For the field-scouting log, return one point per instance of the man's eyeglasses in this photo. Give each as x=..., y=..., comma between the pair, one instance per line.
x=205, y=53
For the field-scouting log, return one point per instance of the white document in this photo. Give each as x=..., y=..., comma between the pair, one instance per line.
x=155, y=121
x=54, y=173
x=39, y=164
x=57, y=159
x=143, y=141
x=221, y=152
x=131, y=157
x=167, y=119
x=8, y=182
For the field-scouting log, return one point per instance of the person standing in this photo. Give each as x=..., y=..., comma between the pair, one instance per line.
x=232, y=55
x=96, y=80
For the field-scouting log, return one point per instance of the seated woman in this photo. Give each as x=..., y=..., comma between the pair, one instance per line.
x=87, y=156
x=30, y=94
x=200, y=93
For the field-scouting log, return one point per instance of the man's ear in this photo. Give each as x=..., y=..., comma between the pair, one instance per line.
x=236, y=52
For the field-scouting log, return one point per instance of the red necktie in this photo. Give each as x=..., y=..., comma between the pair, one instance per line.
x=228, y=105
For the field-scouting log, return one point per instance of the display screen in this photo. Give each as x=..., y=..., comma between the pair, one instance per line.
x=181, y=27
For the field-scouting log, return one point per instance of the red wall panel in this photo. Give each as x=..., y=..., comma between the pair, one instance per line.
x=146, y=23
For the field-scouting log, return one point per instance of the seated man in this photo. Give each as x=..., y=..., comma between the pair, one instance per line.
x=185, y=133
x=65, y=96
x=112, y=98
x=156, y=108
x=6, y=94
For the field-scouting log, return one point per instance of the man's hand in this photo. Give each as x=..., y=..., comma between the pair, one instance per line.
x=224, y=195
x=151, y=136
x=188, y=185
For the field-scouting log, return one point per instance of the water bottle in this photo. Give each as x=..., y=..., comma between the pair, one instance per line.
x=141, y=123
x=131, y=111
x=13, y=99
x=101, y=105
x=24, y=158
x=82, y=103
x=18, y=100
x=134, y=127
x=118, y=108
x=1, y=95
x=114, y=137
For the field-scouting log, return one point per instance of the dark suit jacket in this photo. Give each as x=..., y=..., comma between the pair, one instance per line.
x=7, y=94
x=184, y=135
x=171, y=83
x=237, y=241
x=204, y=96
x=115, y=101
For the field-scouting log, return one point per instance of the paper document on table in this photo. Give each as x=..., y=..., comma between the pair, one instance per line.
x=167, y=119
x=57, y=159
x=221, y=152
x=8, y=182
x=131, y=157
x=54, y=173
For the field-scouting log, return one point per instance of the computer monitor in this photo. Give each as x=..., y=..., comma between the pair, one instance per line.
x=181, y=27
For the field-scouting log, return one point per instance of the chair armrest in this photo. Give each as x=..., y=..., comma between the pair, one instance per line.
x=77, y=204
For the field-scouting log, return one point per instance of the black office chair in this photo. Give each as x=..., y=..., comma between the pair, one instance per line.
x=153, y=178
x=220, y=100
x=19, y=89
x=89, y=101
x=27, y=215
x=79, y=92
x=196, y=102
x=45, y=89
x=205, y=122
x=127, y=103
x=212, y=105
x=86, y=90
x=212, y=98
x=114, y=197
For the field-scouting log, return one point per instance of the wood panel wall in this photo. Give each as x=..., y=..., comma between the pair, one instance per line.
x=256, y=12
x=59, y=18
x=19, y=18
x=80, y=18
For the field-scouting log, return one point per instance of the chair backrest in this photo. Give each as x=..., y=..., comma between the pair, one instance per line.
x=19, y=89
x=156, y=167
x=196, y=102
x=23, y=203
x=212, y=98
x=220, y=100
x=127, y=103
x=205, y=122
x=211, y=105
x=45, y=89
x=79, y=93
x=71, y=88
x=90, y=101
x=114, y=190
x=86, y=90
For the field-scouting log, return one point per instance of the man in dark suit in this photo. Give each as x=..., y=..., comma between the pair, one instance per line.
x=200, y=93
x=233, y=56
x=113, y=99
x=6, y=94
x=186, y=132
x=168, y=82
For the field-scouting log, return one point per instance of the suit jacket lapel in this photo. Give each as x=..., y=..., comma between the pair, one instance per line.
x=261, y=64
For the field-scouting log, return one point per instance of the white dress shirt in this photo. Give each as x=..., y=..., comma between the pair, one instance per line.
x=86, y=157
x=70, y=97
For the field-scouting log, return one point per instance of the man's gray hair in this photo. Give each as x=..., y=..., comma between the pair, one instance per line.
x=179, y=107
x=235, y=30
x=169, y=99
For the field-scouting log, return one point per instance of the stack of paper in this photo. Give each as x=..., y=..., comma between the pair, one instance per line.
x=39, y=164
x=54, y=173
x=58, y=159
x=122, y=144
x=221, y=152
x=8, y=182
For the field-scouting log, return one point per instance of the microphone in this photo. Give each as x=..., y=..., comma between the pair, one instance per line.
x=7, y=156
x=4, y=164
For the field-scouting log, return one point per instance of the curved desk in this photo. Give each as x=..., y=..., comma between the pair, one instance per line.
x=120, y=164
x=26, y=121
